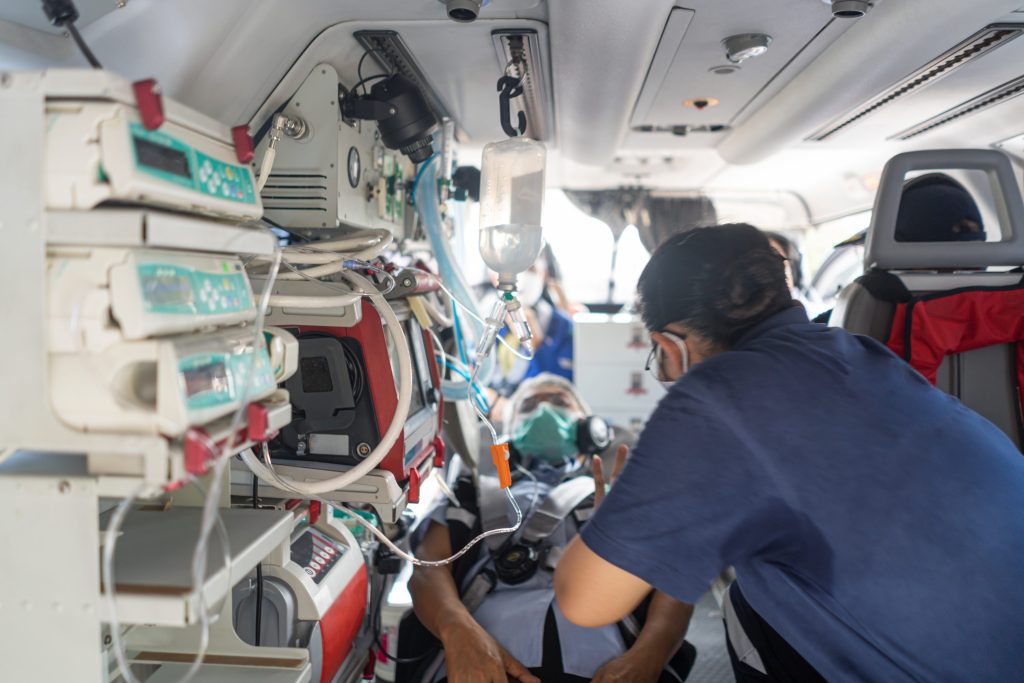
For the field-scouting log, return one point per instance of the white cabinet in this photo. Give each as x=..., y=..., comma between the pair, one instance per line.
x=610, y=353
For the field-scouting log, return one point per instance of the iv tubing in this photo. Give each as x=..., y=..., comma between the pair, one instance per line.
x=250, y=460
x=427, y=203
x=210, y=516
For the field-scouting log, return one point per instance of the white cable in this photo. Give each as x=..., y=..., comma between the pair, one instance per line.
x=448, y=560
x=395, y=429
x=440, y=351
x=332, y=255
x=211, y=511
x=110, y=538
x=340, y=301
x=265, y=167
x=438, y=316
x=275, y=480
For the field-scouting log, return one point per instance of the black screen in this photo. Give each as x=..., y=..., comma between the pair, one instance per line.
x=162, y=158
x=316, y=375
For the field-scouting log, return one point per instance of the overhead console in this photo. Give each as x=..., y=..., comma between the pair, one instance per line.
x=905, y=70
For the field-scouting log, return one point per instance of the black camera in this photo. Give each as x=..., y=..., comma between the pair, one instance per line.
x=405, y=120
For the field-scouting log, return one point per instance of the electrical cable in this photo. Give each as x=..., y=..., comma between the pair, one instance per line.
x=258, y=625
x=345, y=479
x=437, y=344
x=266, y=166
x=110, y=538
x=209, y=519
x=359, y=72
x=80, y=42
x=251, y=461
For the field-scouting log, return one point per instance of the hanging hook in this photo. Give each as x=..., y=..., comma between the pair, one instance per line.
x=510, y=87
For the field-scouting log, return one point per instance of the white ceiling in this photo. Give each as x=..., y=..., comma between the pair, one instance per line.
x=229, y=58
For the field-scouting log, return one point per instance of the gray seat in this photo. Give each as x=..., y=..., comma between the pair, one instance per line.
x=984, y=379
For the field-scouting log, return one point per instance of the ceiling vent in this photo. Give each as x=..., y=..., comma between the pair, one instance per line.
x=682, y=130
x=976, y=46
x=392, y=54
x=998, y=95
x=519, y=53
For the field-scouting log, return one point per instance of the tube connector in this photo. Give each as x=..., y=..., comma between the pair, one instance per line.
x=283, y=125
x=518, y=323
x=490, y=334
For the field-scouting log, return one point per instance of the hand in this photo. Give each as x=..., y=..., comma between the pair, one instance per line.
x=473, y=656
x=598, y=469
x=632, y=667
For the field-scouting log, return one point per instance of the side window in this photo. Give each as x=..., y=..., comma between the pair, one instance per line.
x=835, y=254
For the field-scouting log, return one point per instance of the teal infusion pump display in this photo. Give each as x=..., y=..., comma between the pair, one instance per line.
x=160, y=292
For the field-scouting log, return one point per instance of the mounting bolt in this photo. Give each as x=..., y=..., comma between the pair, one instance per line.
x=407, y=282
x=107, y=640
x=363, y=450
x=64, y=486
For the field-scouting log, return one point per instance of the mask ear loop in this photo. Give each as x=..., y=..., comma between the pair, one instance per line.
x=660, y=357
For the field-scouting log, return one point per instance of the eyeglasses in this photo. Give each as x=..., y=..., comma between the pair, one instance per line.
x=652, y=357
x=559, y=399
x=653, y=364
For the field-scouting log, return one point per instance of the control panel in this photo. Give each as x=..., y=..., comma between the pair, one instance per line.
x=159, y=292
x=214, y=379
x=160, y=386
x=163, y=156
x=316, y=553
x=99, y=150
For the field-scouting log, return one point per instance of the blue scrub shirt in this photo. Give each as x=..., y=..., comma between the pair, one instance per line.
x=874, y=522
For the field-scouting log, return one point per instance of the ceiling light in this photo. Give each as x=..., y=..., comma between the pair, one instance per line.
x=746, y=46
x=849, y=9
x=724, y=69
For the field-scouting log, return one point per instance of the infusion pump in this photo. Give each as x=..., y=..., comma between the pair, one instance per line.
x=141, y=329
x=100, y=147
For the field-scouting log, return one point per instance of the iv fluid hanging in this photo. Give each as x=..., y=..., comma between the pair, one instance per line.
x=511, y=201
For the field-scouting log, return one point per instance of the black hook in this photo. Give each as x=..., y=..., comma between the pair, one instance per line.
x=510, y=87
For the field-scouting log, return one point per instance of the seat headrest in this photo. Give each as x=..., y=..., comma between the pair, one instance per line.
x=886, y=253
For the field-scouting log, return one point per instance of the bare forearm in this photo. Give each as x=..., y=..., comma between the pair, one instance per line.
x=435, y=598
x=664, y=628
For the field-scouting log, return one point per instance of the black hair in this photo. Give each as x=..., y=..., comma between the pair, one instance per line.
x=792, y=254
x=719, y=282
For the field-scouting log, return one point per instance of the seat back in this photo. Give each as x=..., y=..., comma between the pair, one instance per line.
x=985, y=379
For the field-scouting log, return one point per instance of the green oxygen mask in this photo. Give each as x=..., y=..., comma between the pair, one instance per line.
x=548, y=433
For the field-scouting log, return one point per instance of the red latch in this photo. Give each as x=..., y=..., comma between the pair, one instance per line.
x=314, y=511
x=370, y=670
x=151, y=105
x=438, y=452
x=244, y=149
x=414, y=485
x=259, y=422
x=197, y=451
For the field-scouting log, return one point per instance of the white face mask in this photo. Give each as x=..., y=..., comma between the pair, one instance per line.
x=531, y=287
x=656, y=365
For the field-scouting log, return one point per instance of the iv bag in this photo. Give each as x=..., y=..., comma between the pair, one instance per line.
x=511, y=200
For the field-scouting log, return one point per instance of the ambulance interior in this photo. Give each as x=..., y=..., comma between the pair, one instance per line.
x=247, y=261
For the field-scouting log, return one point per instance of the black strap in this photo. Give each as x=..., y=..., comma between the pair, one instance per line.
x=885, y=286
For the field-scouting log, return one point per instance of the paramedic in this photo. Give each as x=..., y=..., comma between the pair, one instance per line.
x=874, y=522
